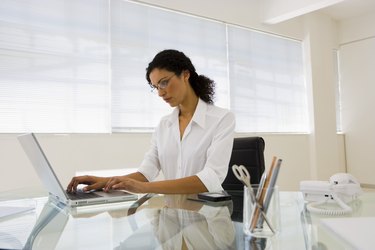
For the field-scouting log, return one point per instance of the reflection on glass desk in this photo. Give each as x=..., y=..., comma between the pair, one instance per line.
x=162, y=222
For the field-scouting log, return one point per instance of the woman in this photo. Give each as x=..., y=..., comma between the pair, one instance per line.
x=191, y=146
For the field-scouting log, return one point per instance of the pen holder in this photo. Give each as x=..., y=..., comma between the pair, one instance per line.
x=262, y=220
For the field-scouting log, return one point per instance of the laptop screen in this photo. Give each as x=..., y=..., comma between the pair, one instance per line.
x=42, y=167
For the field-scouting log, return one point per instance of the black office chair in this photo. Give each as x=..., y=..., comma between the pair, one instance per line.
x=249, y=152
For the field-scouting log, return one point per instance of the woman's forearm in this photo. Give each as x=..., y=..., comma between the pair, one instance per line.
x=186, y=185
x=137, y=176
x=137, y=183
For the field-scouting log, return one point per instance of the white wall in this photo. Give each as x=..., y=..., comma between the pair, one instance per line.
x=83, y=152
x=307, y=156
x=319, y=42
x=357, y=63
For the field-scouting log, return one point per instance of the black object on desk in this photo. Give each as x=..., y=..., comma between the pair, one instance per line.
x=214, y=197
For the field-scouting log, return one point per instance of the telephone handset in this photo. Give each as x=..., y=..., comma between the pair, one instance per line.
x=341, y=188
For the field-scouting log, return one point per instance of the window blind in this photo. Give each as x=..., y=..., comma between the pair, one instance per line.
x=139, y=32
x=336, y=57
x=54, y=66
x=78, y=66
x=267, y=90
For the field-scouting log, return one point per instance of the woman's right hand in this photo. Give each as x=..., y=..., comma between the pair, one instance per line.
x=92, y=182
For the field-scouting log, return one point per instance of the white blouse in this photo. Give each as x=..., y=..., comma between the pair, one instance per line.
x=204, y=149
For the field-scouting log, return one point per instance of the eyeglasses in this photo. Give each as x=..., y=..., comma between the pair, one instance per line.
x=162, y=84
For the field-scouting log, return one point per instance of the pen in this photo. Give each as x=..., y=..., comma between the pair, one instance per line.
x=261, y=195
x=272, y=185
x=270, y=190
x=261, y=184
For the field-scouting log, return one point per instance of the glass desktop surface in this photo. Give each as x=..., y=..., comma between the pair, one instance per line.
x=160, y=222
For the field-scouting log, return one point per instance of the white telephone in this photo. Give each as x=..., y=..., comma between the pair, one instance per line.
x=341, y=188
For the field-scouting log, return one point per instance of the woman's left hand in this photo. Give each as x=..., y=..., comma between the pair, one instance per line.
x=125, y=183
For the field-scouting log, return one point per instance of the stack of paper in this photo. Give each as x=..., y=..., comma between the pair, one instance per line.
x=355, y=231
x=16, y=223
x=8, y=211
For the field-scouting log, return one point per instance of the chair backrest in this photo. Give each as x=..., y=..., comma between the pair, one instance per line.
x=247, y=151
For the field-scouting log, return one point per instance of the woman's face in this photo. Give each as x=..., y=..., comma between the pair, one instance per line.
x=171, y=87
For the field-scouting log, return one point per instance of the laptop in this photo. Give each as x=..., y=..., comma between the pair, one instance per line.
x=49, y=179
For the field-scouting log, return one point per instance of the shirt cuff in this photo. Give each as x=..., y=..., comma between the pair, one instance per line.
x=210, y=180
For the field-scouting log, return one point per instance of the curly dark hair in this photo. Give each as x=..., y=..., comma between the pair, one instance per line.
x=176, y=62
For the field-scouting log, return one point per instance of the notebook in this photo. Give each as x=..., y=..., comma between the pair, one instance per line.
x=49, y=179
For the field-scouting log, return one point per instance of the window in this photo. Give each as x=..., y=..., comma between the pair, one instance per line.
x=79, y=67
x=336, y=57
x=138, y=32
x=267, y=86
x=54, y=66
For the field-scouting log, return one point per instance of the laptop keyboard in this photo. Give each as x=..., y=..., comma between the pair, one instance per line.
x=81, y=195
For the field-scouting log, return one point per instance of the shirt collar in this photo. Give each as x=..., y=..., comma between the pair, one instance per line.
x=199, y=116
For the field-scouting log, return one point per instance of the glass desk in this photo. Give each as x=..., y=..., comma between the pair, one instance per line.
x=161, y=222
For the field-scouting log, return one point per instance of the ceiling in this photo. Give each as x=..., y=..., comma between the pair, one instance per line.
x=350, y=9
x=282, y=10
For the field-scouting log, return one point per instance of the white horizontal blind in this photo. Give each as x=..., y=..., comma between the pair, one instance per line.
x=79, y=66
x=138, y=32
x=267, y=86
x=54, y=66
